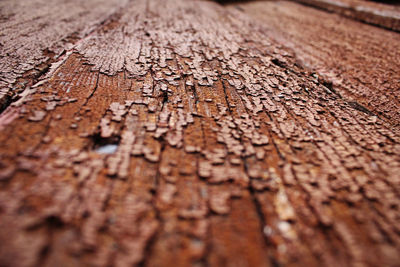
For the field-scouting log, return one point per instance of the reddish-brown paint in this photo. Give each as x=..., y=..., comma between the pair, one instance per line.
x=229, y=152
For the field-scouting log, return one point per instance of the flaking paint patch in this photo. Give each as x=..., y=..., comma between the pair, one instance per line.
x=274, y=160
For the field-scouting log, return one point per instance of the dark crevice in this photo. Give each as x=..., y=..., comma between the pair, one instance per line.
x=5, y=102
x=329, y=85
x=361, y=108
x=279, y=63
x=226, y=97
x=164, y=97
x=98, y=141
x=50, y=222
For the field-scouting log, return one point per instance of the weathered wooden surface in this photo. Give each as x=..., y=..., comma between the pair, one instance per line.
x=33, y=34
x=183, y=133
x=373, y=12
x=360, y=62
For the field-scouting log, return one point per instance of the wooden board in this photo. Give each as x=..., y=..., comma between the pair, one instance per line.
x=186, y=133
x=372, y=12
x=33, y=34
x=360, y=62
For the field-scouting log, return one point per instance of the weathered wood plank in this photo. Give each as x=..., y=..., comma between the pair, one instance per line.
x=360, y=62
x=379, y=14
x=35, y=33
x=182, y=134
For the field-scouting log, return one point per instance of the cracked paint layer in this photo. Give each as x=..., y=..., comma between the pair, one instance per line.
x=221, y=150
x=359, y=62
x=35, y=33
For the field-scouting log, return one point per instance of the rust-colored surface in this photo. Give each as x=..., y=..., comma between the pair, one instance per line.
x=360, y=62
x=34, y=34
x=186, y=133
x=379, y=14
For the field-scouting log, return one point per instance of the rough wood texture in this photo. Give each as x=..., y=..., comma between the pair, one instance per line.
x=360, y=62
x=33, y=34
x=181, y=133
x=382, y=15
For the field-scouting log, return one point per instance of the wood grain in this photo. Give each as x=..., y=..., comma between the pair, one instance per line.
x=358, y=61
x=35, y=33
x=371, y=12
x=184, y=133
